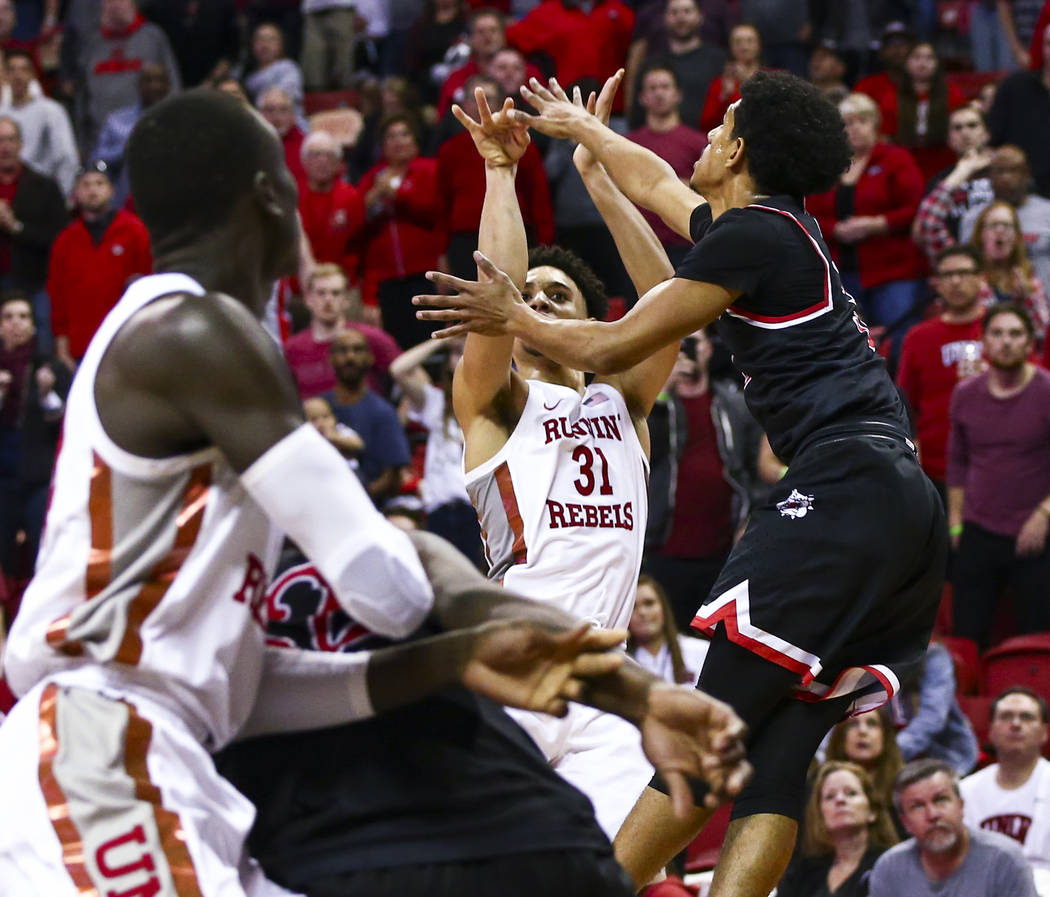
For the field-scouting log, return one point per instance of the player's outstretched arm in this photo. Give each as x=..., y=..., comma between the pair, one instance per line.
x=665, y=314
x=519, y=663
x=644, y=177
x=640, y=249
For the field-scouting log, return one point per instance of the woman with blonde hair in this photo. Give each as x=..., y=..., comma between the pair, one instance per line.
x=847, y=828
x=1008, y=271
x=655, y=643
x=869, y=741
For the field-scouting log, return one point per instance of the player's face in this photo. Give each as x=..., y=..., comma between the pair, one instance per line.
x=1007, y=343
x=1017, y=726
x=711, y=169
x=327, y=299
x=843, y=803
x=682, y=18
x=281, y=225
x=958, y=281
x=933, y=813
x=647, y=619
x=16, y=324
x=659, y=94
x=966, y=131
x=865, y=741
x=551, y=291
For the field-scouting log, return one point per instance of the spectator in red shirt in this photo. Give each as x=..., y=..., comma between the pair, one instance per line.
x=677, y=144
x=940, y=352
x=582, y=41
x=745, y=51
x=403, y=233
x=461, y=176
x=332, y=210
x=278, y=108
x=896, y=44
x=92, y=262
x=867, y=218
x=334, y=308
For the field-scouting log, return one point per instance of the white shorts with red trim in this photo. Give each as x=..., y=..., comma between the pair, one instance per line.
x=112, y=796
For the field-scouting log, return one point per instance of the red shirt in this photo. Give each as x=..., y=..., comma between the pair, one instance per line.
x=582, y=45
x=407, y=239
x=890, y=185
x=461, y=179
x=333, y=220
x=702, y=525
x=679, y=148
x=460, y=76
x=929, y=369
x=313, y=372
x=293, y=148
x=85, y=281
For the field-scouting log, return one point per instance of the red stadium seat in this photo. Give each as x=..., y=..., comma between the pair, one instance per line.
x=315, y=101
x=967, y=663
x=970, y=83
x=943, y=624
x=703, y=853
x=1021, y=660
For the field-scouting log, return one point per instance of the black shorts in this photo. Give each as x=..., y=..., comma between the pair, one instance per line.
x=838, y=576
x=825, y=605
x=550, y=873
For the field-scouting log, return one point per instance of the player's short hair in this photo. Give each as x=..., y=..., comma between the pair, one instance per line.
x=1009, y=308
x=325, y=269
x=590, y=285
x=959, y=249
x=920, y=771
x=796, y=140
x=1044, y=711
x=191, y=157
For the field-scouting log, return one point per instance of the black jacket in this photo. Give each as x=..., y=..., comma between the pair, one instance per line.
x=39, y=205
x=38, y=431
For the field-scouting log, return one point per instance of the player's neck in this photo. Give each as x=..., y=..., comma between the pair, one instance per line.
x=219, y=267
x=537, y=367
x=1015, y=771
x=737, y=192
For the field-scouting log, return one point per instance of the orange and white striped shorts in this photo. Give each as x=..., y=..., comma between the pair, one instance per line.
x=113, y=796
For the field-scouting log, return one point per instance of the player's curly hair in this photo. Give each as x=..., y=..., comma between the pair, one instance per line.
x=590, y=285
x=795, y=138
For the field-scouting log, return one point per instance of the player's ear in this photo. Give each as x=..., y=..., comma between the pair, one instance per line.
x=265, y=192
x=737, y=153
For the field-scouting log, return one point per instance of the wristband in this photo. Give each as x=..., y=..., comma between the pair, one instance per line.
x=955, y=530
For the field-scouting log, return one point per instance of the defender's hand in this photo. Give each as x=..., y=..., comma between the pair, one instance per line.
x=525, y=664
x=500, y=140
x=490, y=306
x=558, y=115
x=600, y=107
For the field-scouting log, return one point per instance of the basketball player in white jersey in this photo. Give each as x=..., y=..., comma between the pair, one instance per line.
x=557, y=470
x=139, y=646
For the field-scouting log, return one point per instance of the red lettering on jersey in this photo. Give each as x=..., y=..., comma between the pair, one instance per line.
x=143, y=864
x=613, y=426
x=253, y=590
x=590, y=515
x=557, y=515
x=148, y=889
x=1013, y=825
x=628, y=516
x=575, y=514
x=550, y=430
x=560, y=516
x=605, y=517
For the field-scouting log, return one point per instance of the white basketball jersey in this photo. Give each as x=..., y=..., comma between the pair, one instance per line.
x=152, y=574
x=563, y=504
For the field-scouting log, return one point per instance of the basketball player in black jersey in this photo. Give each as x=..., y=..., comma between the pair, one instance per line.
x=828, y=600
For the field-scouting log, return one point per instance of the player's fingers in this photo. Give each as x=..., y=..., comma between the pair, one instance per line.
x=542, y=92
x=484, y=113
x=486, y=267
x=448, y=332
x=556, y=707
x=463, y=118
x=591, y=665
x=601, y=639
x=449, y=281
x=608, y=92
x=558, y=91
x=522, y=118
x=592, y=102
x=442, y=314
x=577, y=95
x=681, y=795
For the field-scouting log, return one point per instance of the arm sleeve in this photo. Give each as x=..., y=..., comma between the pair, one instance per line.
x=933, y=221
x=305, y=488
x=936, y=694
x=336, y=685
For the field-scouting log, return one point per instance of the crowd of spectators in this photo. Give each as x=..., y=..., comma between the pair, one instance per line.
x=940, y=229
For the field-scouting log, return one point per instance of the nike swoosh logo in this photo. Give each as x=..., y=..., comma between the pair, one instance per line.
x=551, y=407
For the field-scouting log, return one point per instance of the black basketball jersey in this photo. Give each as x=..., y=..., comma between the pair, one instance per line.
x=447, y=779
x=795, y=334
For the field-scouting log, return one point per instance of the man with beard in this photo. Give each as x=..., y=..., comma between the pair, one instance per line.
x=944, y=855
x=999, y=481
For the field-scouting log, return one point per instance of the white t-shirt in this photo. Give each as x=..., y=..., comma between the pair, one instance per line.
x=694, y=650
x=1020, y=813
x=443, y=461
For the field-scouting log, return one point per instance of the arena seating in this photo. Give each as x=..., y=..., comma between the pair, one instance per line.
x=1021, y=660
x=703, y=852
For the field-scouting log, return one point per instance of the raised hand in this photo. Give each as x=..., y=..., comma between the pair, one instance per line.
x=487, y=306
x=558, y=115
x=499, y=139
x=524, y=664
x=601, y=108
